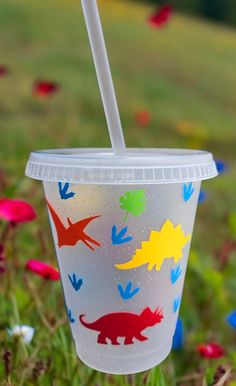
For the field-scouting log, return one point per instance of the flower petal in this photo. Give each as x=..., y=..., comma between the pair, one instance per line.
x=16, y=211
x=3, y=71
x=161, y=17
x=26, y=333
x=45, y=88
x=42, y=269
x=210, y=350
x=142, y=118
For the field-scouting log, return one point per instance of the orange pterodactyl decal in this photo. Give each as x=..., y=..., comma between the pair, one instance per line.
x=74, y=232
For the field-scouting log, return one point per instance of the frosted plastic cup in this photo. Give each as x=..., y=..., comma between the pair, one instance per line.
x=122, y=228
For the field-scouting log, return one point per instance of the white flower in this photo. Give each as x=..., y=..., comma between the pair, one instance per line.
x=26, y=333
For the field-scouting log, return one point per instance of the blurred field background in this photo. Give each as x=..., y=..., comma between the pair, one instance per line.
x=184, y=76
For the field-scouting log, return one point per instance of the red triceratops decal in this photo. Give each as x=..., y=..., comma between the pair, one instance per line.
x=123, y=324
x=74, y=232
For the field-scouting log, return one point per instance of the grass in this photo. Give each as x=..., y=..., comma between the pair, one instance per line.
x=184, y=75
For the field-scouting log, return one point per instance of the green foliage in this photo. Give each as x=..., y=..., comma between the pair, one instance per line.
x=134, y=202
x=209, y=378
x=192, y=6
x=154, y=375
x=232, y=224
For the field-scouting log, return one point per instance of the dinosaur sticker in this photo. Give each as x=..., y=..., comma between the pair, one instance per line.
x=123, y=324
x=166, y=244
x=74, y=232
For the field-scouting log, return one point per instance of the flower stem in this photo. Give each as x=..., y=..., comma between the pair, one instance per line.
x=6, y=232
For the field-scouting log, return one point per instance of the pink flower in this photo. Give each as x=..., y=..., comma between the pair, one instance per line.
x=3, y=71
x=161, y=17
x=42, y=269
x=142, y=118
x=16, y=211
x=210, y=350
x=45, y=89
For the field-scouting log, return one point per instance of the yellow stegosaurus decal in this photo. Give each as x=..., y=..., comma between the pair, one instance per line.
x=165, y=244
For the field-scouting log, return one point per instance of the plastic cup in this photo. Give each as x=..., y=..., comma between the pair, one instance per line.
x=122, y=228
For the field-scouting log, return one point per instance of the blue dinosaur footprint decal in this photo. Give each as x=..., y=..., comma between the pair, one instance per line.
x=63, y=190
x=118, y=238
x=176, y=304
x=70, y=316
x=175, y=274
x=75, y=282
x=188, y=191
x=127, y=293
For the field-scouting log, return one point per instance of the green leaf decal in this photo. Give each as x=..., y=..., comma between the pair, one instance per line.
x=133, y=202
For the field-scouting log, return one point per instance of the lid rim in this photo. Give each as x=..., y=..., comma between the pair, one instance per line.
x=100, y=166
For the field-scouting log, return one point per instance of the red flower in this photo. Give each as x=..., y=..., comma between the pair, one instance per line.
x=161, y=17
x=142, y=118
x=210, y=350
x=16, y=211
x=43, y=270
x=45, y=89
x=3, y=71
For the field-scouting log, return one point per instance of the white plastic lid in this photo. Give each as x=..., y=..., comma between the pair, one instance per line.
x=100, y=166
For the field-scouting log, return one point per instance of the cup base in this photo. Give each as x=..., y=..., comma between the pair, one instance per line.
x=124, y=365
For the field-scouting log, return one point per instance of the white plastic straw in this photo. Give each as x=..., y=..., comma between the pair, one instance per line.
x=103, y=71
